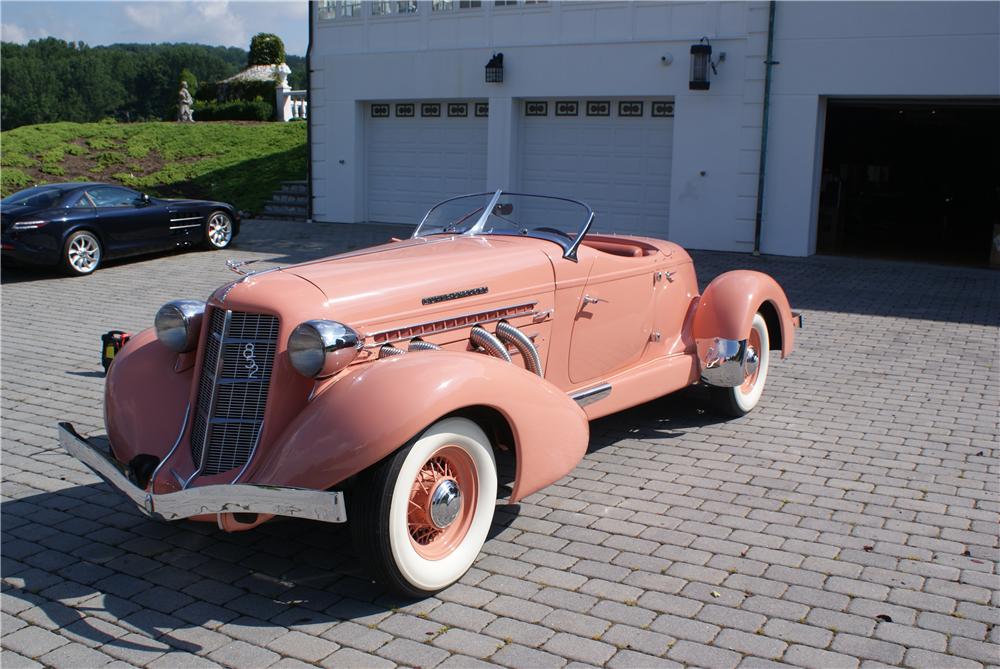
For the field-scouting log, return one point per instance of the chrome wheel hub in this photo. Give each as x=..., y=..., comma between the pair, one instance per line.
x=446, y=502
x=752, y=361
x=220, y=229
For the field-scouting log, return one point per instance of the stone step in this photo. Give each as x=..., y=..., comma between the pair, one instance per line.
x=284, y=209
x=265, y=216
x=288, y=200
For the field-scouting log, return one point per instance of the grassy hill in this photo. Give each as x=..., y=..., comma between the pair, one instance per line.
x=237, y=162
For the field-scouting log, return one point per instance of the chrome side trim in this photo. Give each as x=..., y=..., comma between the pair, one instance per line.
x=723, y=361
x=448, y=324
x=322, y=505
x=591, y=395
x=181, y=227
x=186, y=218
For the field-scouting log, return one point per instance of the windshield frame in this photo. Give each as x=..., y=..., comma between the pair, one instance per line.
x=568, y=246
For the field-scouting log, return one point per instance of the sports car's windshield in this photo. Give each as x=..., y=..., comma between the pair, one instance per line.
x=555, y=219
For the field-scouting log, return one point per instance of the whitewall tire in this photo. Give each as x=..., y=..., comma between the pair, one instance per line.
x=421, y=517
x=742, y=399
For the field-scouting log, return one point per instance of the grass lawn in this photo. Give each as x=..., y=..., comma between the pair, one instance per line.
x=237, y=162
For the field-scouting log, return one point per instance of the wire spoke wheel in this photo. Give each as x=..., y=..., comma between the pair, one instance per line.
x=442, y=502
x=420, y=518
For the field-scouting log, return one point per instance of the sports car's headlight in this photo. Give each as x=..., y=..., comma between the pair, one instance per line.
x=322, y=348
x=177, y=324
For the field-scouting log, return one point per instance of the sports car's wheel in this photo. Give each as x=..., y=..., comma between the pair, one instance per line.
x=82, y=253
x=740, y=400
x=420, y=518
x=218, y=230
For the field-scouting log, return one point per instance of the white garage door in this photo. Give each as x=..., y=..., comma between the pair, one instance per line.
x=419, y=153
x=612, y=154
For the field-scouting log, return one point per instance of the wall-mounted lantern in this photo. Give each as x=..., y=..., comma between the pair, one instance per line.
x=701, y=61
x=494, y=69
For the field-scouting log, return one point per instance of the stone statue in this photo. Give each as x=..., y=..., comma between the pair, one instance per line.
x=184, y=101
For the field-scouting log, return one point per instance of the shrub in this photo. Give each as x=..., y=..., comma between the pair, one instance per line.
x=266, y=49
x=236, y=110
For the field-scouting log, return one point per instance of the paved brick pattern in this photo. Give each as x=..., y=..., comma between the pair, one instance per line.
x=850, y=521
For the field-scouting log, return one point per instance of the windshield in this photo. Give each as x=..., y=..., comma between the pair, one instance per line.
x=34, y=197
x=555, y=219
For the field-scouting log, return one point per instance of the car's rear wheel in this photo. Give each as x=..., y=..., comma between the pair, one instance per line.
x=740, y=400
x=82, y=253
x=420, y=518
x=218, y=230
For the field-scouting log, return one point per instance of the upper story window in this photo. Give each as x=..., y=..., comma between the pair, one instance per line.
x=339, y=9
x=449, y=5
x=387, y=7
x=505, y=3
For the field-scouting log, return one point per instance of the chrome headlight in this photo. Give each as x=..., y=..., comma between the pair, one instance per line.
x=177, y=324
x=322, y=348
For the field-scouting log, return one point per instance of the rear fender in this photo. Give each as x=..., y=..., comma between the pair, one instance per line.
x=727, y=307
x=369, y=413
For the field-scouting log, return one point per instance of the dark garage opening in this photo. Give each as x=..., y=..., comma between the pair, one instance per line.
x=911, y=180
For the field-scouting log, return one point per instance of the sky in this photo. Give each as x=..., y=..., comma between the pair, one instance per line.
x=109, y=22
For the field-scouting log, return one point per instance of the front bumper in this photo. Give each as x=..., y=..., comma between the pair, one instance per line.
x=322, y=505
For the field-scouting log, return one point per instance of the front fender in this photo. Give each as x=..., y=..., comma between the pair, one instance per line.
x=369, y=413
x=144, y=398
x=727, y=307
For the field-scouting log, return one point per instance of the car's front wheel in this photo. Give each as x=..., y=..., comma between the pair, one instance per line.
x=218, y=230
x=740, y=400
x=82, y=253
x=420, y=518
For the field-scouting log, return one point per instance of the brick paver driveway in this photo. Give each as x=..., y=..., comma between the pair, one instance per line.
x=850, y=520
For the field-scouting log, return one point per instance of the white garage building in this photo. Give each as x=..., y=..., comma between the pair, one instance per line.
x=596, y=102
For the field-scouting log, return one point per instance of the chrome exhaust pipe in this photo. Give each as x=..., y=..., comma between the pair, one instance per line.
x=481, y=337
x=421, y=345
x=508, y=334
x=388, y=350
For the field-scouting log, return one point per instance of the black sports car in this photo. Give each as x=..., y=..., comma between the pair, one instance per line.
x=77, y=225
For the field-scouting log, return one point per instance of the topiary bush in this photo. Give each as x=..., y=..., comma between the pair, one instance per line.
x=266, y=49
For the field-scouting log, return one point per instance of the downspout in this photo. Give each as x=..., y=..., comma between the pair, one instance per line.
x=309, y=118
x=768, y=63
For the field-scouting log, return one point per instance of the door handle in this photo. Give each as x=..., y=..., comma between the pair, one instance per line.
x=587, y=299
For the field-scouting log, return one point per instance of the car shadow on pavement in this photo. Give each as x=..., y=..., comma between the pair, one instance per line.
x=98, y=569
x=667, y=417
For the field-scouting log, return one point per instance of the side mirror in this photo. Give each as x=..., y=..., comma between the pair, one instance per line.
x=145, y=199
x=505, y=209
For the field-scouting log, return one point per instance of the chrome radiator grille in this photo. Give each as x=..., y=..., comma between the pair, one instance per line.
x=232, y=389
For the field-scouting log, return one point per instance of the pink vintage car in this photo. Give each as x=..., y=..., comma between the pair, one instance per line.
x=380, y=386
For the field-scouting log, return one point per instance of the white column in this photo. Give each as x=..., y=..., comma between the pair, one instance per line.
x=501, y=144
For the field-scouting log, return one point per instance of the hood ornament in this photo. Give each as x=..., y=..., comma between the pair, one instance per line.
x=237, y=266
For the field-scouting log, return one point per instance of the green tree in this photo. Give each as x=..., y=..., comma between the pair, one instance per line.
x=192, y=81
x=266, y=49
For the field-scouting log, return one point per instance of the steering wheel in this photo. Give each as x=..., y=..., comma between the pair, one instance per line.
x=558, y=232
